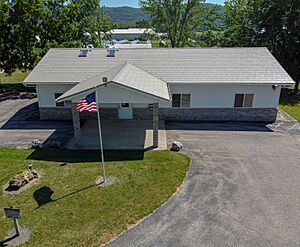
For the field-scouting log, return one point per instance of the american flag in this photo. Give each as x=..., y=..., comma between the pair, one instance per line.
x=88, y=103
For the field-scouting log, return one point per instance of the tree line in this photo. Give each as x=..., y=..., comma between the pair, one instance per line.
x=30, y=28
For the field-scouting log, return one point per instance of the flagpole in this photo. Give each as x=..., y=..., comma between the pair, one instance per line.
x=100, y=136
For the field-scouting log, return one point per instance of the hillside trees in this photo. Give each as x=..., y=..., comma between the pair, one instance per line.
x=30, y=28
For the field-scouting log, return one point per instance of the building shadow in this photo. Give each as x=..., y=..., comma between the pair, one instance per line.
x=16, y=91
x=217, y=126
x=78, y=156
x=28, y=118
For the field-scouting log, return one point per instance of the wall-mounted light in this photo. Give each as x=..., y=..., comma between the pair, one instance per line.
x=274, y=86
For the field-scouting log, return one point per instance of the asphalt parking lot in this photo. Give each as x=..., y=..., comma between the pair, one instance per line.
x=20, y=124
x=242, y=189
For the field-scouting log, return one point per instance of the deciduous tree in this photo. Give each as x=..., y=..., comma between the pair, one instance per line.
x=180, y=19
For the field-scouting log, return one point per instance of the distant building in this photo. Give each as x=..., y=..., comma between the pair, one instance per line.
x=133, y=46
x=130, y=33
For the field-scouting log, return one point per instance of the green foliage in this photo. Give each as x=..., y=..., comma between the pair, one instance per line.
x=126, y=14
x=30, y=28
x=271, y=23
x=290, y=102
x=179, y=19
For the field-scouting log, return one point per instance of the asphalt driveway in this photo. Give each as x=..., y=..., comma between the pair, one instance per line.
x=243, y=189
x=20, y=123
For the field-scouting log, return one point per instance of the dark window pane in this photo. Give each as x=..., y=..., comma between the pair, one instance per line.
x=176, y=98
x=57, y=95
x=248, y=100
x=238, y=102
x=186, y=100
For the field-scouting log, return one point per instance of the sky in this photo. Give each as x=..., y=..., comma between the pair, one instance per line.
x=134, y=3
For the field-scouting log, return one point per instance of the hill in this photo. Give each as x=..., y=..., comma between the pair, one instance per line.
x=126, y=14
x=132, y=15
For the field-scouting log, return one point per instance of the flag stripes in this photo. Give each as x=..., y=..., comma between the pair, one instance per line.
x=88, y=103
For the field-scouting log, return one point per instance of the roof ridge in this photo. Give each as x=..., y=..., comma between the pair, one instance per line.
x=121, y=69
x=127, y=63
x=96, y=75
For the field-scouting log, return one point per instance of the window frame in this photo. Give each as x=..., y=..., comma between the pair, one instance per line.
x=173, y=101
x=244, y=97
x=61, y=104
x=181, y=96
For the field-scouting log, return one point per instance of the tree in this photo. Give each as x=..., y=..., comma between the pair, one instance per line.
x=239, y=29
x=20, y=47
x=4, y=16
x=180, y=19
x=30, y=28
x=271, y=23
x=278, y=28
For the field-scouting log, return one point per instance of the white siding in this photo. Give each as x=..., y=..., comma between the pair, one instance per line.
x=222, y=96
x=46, y=93
x=202, y=96
x=116, y=94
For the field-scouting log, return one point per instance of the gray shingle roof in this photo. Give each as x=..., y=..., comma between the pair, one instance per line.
x=126, y=75
x=203, y=65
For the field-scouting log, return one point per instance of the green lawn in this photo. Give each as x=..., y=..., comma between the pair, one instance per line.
x=17, y=77
x=80, y=214
x=290, y=103
x=14, y=82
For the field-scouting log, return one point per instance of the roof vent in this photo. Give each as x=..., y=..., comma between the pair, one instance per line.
x=104, y=79
x=83, y=53
x=111, y=52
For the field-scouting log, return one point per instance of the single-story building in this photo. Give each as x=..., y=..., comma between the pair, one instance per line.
x=130, y=33
x=207, y=84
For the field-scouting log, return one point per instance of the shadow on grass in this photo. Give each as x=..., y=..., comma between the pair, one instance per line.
x=5, y=242
x=43, y=195
x=15, y=87
x=289, y=97
x=77, y=156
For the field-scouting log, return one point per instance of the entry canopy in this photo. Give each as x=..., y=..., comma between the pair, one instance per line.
x=126, y=75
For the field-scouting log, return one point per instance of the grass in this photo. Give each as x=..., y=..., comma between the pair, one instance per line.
x=73, y=212
x=16, y=77
x=14, y=82
x=290, y=103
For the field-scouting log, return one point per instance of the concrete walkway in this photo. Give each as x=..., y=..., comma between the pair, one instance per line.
x=120, y=135
x=242, y=190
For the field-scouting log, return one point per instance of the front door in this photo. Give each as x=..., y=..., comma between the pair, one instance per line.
x=125, y=111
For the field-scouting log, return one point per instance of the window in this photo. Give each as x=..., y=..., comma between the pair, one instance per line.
x=57, y=95
x=181, y=100
x=248, y=101
x=176, y=98
x=186, y=99
x=243, y=100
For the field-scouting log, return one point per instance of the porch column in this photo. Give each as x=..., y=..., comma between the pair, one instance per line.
x=76, y=125
x=155, y=125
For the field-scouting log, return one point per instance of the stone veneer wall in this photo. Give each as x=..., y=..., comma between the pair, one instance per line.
x=61, y=113
x=267, y=115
